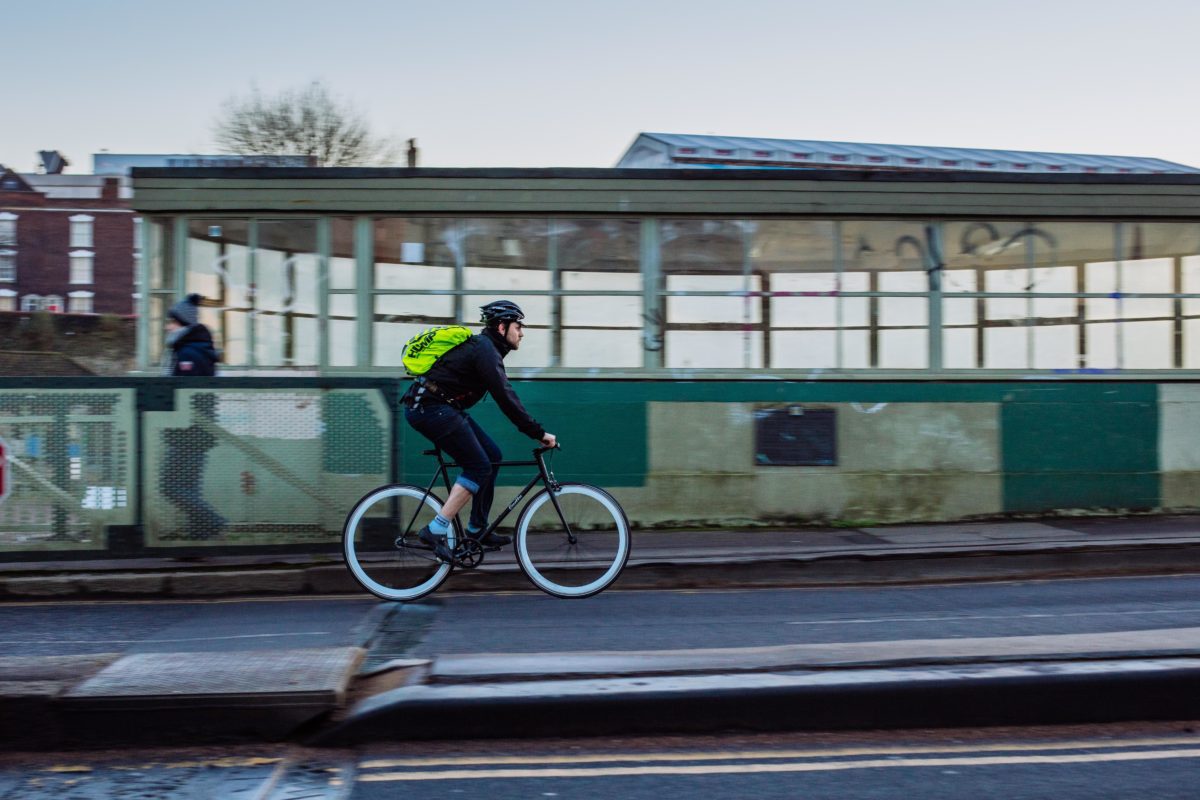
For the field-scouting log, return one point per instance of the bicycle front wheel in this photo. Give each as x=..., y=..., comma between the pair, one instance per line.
x=381, y=547
x=574, y=542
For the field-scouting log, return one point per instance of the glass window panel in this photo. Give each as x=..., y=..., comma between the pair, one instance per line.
x=885, y=246
x=1101, y=278
x=794, y=246
x=161, y=273
x=1006, y=348
x=600, y=311
x=342, y=270
x=1057, y=280
x=804, y=312
x=1147, y=276
x=343, y=324
x=218, y=261
x=1005, y=307
x=1147, y=345
x=691, y=247
x=856, y=311
x=286, y=293
x=507, y=244
x=1191, y=344
x=713, y=349
x=709, y=309
x=1056, y=347
x=1101, y=345
x=959, y=312
x=599, y=255
x=903, y=349
x=800, y=349
x=856, y=350
x=233, y=341
x=602, y=348
x=903, y=311
x=959, y=280
x=1190, y=283
x=417, y=253
x=341, y=273
x=597, y=245
x=958, y=348
x=342, y=343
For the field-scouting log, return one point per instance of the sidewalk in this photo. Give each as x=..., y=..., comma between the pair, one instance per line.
x=989, y=550
x=337, y=696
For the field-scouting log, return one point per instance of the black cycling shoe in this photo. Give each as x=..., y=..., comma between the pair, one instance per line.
x=438, y=543
x=493, y=539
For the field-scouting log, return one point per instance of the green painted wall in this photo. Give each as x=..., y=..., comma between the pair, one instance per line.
x=1062, y=445
x=1081, y=446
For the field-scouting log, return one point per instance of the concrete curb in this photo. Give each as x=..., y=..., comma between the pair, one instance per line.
x=765, y=570
x=1008, y=694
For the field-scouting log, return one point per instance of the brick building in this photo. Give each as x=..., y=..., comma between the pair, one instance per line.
x=68, y=243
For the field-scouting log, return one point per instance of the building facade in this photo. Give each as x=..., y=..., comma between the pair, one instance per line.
x=68, y=244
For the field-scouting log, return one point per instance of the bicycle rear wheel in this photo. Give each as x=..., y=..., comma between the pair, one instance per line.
x=576, y=553
x=381, y=547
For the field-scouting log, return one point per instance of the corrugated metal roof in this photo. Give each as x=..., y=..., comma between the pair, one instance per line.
x=688, y=150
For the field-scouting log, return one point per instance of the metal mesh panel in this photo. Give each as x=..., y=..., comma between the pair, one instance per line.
x=69, y=462
x=261, y=466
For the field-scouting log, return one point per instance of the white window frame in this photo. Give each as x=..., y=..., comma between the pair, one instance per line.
x=31, y=302
x=82, y=234
x=78, y=259
x=53, y=300
x=8, y=300
x=8, y=229
x=8, y=266
x=81, y=302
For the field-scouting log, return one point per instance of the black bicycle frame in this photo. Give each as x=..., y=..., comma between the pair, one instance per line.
x=545, y=476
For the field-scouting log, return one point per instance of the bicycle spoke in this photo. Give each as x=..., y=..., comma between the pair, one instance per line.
x=583, y=561
x=381, y=545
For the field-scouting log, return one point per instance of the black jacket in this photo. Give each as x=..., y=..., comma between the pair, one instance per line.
x=195, y=355
x=475, y=368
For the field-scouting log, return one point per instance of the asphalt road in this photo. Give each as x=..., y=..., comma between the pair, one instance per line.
x=526, y=623
x=532, y=622
x=1156, y=761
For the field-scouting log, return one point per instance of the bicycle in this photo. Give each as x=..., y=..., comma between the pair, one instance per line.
x=572, y=539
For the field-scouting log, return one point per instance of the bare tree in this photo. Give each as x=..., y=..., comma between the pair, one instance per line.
x=306, y=121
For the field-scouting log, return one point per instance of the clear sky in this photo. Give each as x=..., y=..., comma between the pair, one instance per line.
x=571, y=82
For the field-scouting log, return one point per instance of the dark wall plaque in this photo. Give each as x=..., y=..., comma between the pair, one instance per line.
x=795, y=436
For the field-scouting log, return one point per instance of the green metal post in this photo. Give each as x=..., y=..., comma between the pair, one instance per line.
x=654, y=313
x=364, y=259
x=324, y=250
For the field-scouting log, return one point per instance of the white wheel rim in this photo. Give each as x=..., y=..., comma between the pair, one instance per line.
x=351, y=555
x=604, y=580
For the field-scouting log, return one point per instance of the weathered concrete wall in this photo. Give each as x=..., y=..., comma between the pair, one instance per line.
x=896, y=461
x=1179, y=445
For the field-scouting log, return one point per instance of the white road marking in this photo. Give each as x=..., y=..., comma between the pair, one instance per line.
x=806, y=766
x=730, y=755
x=964, y=617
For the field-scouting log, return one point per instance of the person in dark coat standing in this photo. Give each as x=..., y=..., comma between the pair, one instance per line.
x=190, y=352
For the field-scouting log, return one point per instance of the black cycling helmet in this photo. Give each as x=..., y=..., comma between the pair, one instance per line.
x=499, y=311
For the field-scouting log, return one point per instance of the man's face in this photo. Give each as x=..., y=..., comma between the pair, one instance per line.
x=172, y=325
x=512, y=332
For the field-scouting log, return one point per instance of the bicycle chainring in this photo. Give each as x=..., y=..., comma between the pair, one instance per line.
x=468, y=554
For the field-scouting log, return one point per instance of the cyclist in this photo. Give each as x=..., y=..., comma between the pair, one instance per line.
x=436, y=407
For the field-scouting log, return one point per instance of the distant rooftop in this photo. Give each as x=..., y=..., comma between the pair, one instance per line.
x=122, y=163
x=674, y=150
